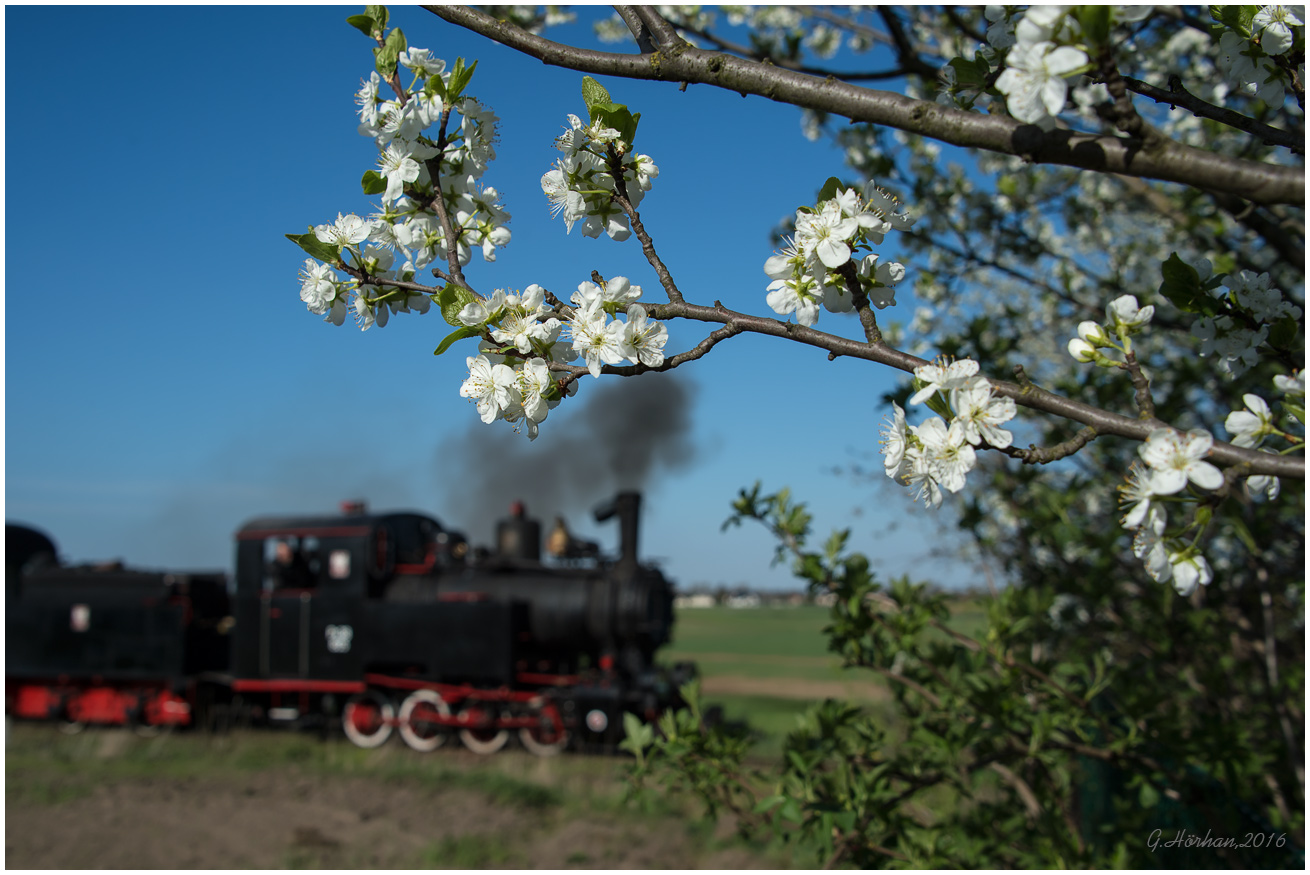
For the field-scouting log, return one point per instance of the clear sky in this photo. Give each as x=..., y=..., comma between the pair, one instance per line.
x=164, y=382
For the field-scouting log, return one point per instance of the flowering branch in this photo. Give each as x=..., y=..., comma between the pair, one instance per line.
x=1254, y=181
x=647, y=245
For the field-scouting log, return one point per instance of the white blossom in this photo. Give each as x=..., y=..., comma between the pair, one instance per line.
x=1138, y=497
x=1274, y=25
x=942, y=377
x=493, y=387
x=1189, y=569
x=1149, y=546
x=1175, y=458
x=348, y=230
x=1125, y=315
x=1248, y=427
x=980, y=413
x=1291, y=385
x=1033, y=80
x=646, y=337
x=894, y=444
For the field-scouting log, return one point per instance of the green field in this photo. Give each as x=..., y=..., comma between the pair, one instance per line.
x=768, y=665
x=751, y=632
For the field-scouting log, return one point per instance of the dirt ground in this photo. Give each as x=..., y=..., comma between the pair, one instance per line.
x=285, y=818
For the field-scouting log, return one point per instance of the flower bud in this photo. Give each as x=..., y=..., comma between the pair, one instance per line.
x=1093, y=333
x=1081, y=350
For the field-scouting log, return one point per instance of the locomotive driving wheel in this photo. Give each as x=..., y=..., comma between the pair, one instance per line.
x=549, y=736
x=417, y=725
x=482, y=736
x=367, y=718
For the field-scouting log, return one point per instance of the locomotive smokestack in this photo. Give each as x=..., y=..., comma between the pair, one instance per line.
x=627, y=507
x=620, y=435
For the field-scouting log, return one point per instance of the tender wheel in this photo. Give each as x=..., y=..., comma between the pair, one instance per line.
x=417, y=727
x=482, y=739
x=548, y=738
x=367, y=718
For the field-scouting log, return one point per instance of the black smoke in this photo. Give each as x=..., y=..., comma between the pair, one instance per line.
x=617, y=434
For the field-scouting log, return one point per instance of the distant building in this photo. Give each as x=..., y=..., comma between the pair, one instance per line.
x=694, y=600
x=743, y=600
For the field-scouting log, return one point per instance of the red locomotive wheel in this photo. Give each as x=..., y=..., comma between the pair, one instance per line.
x=483, y=739
x=419, y=722
x=367, y=718
x=548, y=737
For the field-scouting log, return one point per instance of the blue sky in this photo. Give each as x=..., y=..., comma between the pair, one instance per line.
x=164, y=382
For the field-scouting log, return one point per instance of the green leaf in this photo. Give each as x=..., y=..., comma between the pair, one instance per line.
x=1182, y=286
x=322, y=251
x=459, y=78
x=1096, y=23
x=362, y=23
x=436, y=86
x=1237, y=17
x=967, y=73
x=617, y=116
x=458, y=334
x=593, y=93
x=380, y=15
x=1285, y=334
x=1148, y=796
x=373, y=183
x=451, y=300
x=386, y=57
x=830, y=189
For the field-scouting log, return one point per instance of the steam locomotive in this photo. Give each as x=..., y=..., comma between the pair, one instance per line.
x=378, y=622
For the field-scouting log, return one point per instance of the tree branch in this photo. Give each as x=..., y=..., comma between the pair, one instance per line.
x=1254, y=181
x=1177, y=95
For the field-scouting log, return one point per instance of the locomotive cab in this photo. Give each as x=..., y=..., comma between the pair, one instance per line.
x=313, y=604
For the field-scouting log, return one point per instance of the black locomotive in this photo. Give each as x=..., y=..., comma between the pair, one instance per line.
x=379, y=621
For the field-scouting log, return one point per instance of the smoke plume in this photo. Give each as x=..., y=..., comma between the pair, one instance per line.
x=619, y=435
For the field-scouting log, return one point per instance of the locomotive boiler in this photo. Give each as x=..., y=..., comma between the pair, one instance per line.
x=386, y=622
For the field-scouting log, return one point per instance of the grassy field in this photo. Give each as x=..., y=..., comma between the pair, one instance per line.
x=278, y=799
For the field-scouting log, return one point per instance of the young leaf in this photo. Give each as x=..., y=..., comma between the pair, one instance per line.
x=373, y=183
x=452, y=299
x=458, y=334
x=1095, y=20
x=388, y=55
x=593, y=93
x=436, y=86
x=380, y=15
x=362, y=23
x=1182, y=286
x=459, y=78
x=316, y=247
x=830, y=189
